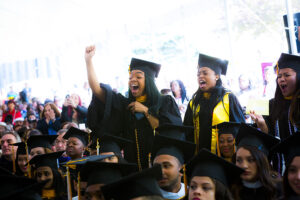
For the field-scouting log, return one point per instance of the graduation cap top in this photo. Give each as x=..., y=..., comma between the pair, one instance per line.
x=48, y=159
x=96, y=172
x=216, y=64
x=250, y=136
x=208, y=164
x=176, y=131
x=75, y=132
x=150, y=68
x=289, y=147
x=41, y=141
x=228, y=128
x=17, y=187
x=139, y=184
x=182, y=150
x=21, y=148
x=111, y=143
x=289, y=61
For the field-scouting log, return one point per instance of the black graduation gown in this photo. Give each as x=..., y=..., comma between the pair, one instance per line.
x=235, y=115
x=253, y=193
x=114, y=117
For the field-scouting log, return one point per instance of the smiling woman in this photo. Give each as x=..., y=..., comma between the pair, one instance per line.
x=137, y=116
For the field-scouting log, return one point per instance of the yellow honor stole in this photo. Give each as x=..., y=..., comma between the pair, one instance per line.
x=48, y=194
x=141, y=99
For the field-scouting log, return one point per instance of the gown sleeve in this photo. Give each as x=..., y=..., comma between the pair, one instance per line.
x=188, y=121
x=169, y=112
x=236, y=112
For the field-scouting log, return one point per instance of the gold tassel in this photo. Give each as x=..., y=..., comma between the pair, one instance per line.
x=149, y=160
x=78, y=186
x=27, y=160
x=69, y=184
x=185, y=180
x=98, y=147
x=218, y=147
x=154, y=132
x=13, y=159
x=138, y=150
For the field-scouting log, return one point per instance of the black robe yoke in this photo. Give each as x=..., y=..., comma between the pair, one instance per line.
x=114, y=117
x=235, y=115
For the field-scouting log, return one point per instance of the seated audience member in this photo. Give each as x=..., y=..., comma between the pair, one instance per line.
x=49, y=122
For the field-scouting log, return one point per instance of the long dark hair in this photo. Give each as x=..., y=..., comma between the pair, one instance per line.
x=153, y=95
x=58, y=183
x=280, y=104
x=287, y=190
x=217, y=94
x=222, y=192
x=182, y=90
x=264, y=173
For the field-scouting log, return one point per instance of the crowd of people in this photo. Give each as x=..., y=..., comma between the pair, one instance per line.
x=153, y=144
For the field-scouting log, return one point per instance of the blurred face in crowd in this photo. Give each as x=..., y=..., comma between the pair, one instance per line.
x=19, y=123
x=243, y=82
x=37, y=151
x=171, y=176
x=7, y=149
x=137, y=83
x=75, y=148
x=226, y=144
x=11, y=106
x=246, y=161
x=22, y=162
x=202, y=187
x=2, y=129
x=45, y=173
x=75, y=99
x=294, y=175
x=113, y=159
x=207, y=78
x=93, y=192
x=175, y=86
x=60, y=143
x=32, y=122
x=286, y=80
x=48, y=112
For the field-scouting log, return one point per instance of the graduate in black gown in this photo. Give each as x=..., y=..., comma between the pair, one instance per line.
x=136, y=116
x=211, y=104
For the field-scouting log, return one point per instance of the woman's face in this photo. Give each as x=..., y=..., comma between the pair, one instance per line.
x=113, y=159
x=22, y=162
x=45, y=173
x=137, y=83
x=48, y=112
x=202, y=187
x=294, y=175
x=286, y=80
x=207, y=78
x=175, y=86
x=75, y=148
x=245, y=160
x=11, y=106
x=37, y=151
x=226, y=144
x=75, y=99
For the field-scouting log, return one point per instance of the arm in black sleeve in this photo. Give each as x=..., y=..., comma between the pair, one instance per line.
x=235, y=109
x=169, y=112
x=82, y=110
x=64, y=115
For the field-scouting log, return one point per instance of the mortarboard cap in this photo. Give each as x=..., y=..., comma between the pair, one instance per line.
x=16, y=187
x=289, y=61
x=75, y=132
x=48, y=159
x=149, y=68
x=174, y=130
x=139, y=184
x=45, y=141
x=228, y=128
x=216, y=64
x=289, y=147
x=96, y=172
x=250, y=136
x=208, y=164
x=21, y=148
x=111, y=143
x=180, y=149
